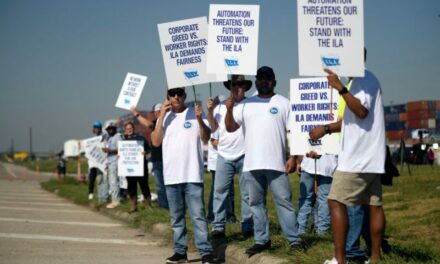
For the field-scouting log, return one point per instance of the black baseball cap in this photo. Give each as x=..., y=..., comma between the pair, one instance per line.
x=265, y=71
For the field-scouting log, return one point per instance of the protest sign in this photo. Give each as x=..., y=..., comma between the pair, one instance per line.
x=72, y=148
x=184, y=47
x=233, y=39
x=93, y=152
x=313, y=102
x=131, y=91
x=131, y=158
x=331, y=34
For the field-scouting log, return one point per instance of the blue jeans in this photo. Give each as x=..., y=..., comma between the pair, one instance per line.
x=258, y=181
x=102, y=186
x=307, y=198
x=160, y=185
x=229, y=201
x=224, y=179
x=355, y=222
x=192, y=193
x=113, y=180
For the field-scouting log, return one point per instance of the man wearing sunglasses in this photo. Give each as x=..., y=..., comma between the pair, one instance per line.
x=265, y=119
x=181, y=130
x=230, y=160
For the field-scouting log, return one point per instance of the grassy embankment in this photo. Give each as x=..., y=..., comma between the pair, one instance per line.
x=412, y=208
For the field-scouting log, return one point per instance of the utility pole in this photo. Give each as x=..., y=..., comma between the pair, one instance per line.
x=12, y=149
x=30, y=144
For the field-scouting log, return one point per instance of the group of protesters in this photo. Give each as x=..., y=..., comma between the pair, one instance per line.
x=248, y=136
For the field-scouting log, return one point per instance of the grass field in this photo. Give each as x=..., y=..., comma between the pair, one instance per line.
x=412, y=208
x=50, y=165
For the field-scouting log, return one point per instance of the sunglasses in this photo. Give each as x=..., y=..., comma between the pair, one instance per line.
x=178, y=92
x=239, y=83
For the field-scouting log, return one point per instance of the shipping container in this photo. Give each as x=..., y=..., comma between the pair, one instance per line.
x=395, y=109
x=437, y=115
x=417, y=123
x=421, y=105
x=392, y=117
x=403, y=117
x=396, y=135
x=420, y=115
x=437, y=105
x=431, y=123
x=393, y=126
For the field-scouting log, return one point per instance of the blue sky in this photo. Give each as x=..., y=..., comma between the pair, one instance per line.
x=62, y=62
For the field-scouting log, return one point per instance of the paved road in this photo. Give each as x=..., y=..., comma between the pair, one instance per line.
x=40, y=227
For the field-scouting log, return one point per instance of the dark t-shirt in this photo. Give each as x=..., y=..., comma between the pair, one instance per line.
x=146, y=147
x=156, y=152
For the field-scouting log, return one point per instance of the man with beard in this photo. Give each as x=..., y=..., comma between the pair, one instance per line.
x=265, y=119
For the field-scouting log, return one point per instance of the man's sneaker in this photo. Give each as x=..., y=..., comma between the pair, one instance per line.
x=112, y=205
x=358, y=260
x=90, y=196
x=178, y=258
x=208, y=259
x=217, y=235
x=298, y=246
x=331, y=261
x=257, y=248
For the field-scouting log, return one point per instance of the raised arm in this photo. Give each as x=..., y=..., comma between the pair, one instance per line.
x=230, y=123
x=157, y=135
x=212, y=122
x=205, y=131
x=320, y=131
x=142, y=120
x=352, y=102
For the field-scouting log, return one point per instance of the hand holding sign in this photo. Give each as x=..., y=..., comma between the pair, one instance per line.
x=198, y=111
x=333, y=79
x=317, y=133
x=313, y=155
x=229, y=103
x=131, y=91
x=210, y=104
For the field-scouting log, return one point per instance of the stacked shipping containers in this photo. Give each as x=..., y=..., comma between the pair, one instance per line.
x=401, y=119
x=421, y=114
x=395, y=122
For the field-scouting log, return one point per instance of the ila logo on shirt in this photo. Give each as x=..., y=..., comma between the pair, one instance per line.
x=187, y=125
x=273, y=110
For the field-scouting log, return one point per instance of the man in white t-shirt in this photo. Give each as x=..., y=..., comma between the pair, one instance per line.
x=111, y=148
x=230, y=160
x=264, y=119
x=361, y=159
x=181, y=132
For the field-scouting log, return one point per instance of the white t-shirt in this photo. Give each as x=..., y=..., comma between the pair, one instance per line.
x=231, y=145
x=112, y=144
x=325, y=166
x=182, y=148
x=265, y=124
x=363, y=140
x=212, y=153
